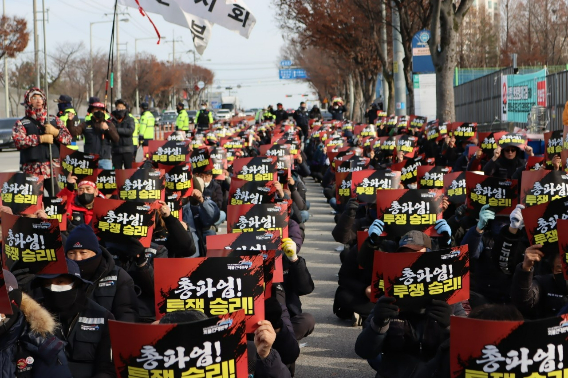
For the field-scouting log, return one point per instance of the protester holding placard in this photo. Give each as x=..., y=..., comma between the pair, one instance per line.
x=392, y=338
x=171, y=233
x=507, y=157
x=80, y=202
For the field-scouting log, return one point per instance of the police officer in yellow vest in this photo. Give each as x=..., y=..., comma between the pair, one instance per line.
x=147, y=123
x=67, y=115
x=182, y=121
x=204, y=118
x=136, y=126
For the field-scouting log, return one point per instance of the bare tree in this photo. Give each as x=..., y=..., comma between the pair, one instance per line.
x=447, y=18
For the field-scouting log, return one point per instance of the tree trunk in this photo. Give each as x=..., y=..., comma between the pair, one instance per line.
x=446, y=22
x=357, y=97
x=390, y=82
x=409, y=87
x=445, y=107
x=351, y=99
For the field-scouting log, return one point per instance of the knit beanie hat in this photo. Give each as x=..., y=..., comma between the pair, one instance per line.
x=82, y=237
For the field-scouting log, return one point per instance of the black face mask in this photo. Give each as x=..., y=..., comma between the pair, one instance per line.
x=561, y=284
x=86, y=198
x=59, y=301
x=99, y=116
x=119, y=114
x=89, y=266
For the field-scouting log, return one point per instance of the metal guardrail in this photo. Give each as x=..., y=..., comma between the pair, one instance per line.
x=480, y=100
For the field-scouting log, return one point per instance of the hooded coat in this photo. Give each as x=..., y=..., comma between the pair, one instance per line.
x=31, y=338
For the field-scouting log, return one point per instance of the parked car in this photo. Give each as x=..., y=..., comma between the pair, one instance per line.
x=224, y=114
x=326, y=115
x=6, y=125
x=168, y=118
x=250, y=113
x=191, y=114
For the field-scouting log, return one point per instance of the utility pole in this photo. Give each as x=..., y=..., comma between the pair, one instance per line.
x=36, y=45
x=173, y=42
x=118, y=76
x=46, y=85
x=6, y=90
x=384, y=46
x=398, y=54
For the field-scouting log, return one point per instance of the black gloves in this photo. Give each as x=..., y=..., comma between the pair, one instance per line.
x=352, y=206
x=24, y=279
x=384, y=310
x=440, y=311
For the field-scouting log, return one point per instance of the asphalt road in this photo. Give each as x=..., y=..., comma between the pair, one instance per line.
x=329, y=351
x=9, y=161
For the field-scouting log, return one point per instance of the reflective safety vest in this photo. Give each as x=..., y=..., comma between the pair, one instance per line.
x=182, y=121
x=89, y=116
x=64, y=118
x=136, y=130
x=204, y=117
x=147, y=123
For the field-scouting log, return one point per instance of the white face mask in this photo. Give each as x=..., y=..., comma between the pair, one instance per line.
x=60, y=288
x=207, y=184
x=203, y=108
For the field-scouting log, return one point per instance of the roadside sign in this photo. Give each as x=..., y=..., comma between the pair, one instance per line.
x=292, y=74
x=286, y=63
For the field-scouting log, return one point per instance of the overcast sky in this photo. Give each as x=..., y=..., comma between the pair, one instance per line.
x=252, y=63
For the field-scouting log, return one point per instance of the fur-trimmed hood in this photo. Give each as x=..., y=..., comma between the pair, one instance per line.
x=39, y=319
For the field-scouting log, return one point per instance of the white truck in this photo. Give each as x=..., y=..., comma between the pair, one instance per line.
x=231, y=103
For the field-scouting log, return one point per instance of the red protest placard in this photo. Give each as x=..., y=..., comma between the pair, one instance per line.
x=368, y=182
x=553, y=141
x=488, y=142
x=272, y=262
x=244, y=192
x=114, y=220
x=455, y=187
x=431, y=177
x=485, y=348
x=403, y=210
x=415, y=278
x=500, y=194
x=168, y=152
x=56, y=208
x=212, y=347
x=409, y=169
x=215, y=286
x=32, y=243
x=343, y=187
x=255, y=169
x=263, y=217
x=78, y=163
x=534, y=163
x=538, y=187
x=246, y=241
x=21, y=192
x=513, y=140
x=143, y=184
x=178, y=179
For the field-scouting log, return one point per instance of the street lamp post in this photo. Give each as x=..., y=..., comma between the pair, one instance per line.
x=136, y=67
x=91, y=50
